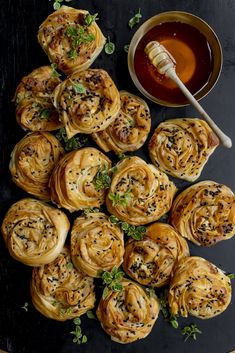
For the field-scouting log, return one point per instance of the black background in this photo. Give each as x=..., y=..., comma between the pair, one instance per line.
x=30, y=332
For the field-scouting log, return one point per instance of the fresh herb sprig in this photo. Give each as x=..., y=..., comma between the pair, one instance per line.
x=136, y=232
x=164, y=306
x=54, y=72
x=102, y=179
x=135, y=19
x=88, y=210
x=73, y=143
x=78, y=35
x=190, y=331
x=120, y=199
x=112, y=281
x=78, y=336
x=109, y=47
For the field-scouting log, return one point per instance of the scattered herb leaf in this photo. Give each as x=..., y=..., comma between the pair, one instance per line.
x=118, y=199
x=88, y=210
x=71, y=144
x=173, y=321
x=135, y=19
x=25, y=306
x=79, y=337
x=112, y=280
x=190, y=331
x=54, y=72
x=44, y=114
x=109, y=47
x=102, y=179
x=136, y=232
x=79, y=88
x=90, y=18
x=91, y=315
x=121, y=156
x=150, y=291
x=126, y=47
x=231, y=275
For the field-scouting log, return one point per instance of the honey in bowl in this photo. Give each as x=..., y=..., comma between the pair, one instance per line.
x=193, y=56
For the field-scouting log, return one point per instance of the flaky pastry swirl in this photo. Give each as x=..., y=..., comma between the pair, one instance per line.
x=150, y=261
x=59, y=291
x=199, y=288
x=69, y=41
x=32, y=161
x=205, y=213
x=34, y=232
x=128, y=315
x=34, y=107
x=129, y=130
x=181, y=147
x=97, y=245
x=87, y=101
x=72, y=181
x=143, y=193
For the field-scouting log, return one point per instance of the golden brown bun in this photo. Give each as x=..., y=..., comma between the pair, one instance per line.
x=198, y=288
x=34, y=232
x=181, y=147
x=61, y=292
x=128, y=315
x=149, y=191
x=32, y=161
x=97, y=245
x=58, y=44
x=93, y=109
x=129, y=131
x=71, y=182
x=150, y=261
x=34, y=107
x=204, y=213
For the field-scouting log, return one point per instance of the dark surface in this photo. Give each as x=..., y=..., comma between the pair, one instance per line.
x=30, y=332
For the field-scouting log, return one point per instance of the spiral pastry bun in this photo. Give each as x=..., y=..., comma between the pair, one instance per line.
x=129, y=131
x=150, y=261
x=97, y=245
x=87, y=101
x=72, y=181
x=61, y=292
x=139, y=193
x=204, y=213
x=34, y=232
x=34, y=107
x=198, y=288
x=128, y=315
x=181, y=147
x=69, y=40
x=32, y=161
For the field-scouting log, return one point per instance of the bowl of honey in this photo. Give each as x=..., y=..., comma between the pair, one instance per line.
x=194, y=46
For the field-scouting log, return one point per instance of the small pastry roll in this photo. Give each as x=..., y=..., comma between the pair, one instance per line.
x=70, y=39
x=34, y=107
x=61, y=292
x=129, y=131
x=128, y=315
x=204, y=213
x=87, y=101
x=139, y=193
x=72, y=181
x=150, y=261
x=198, y=288
x=96, y=244
x=32, y=161
x=181, y=147
x=34, y=232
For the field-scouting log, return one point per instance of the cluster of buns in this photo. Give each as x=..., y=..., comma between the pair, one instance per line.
x=138, y=193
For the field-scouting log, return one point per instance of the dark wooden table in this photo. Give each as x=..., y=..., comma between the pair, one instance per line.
x=27, y=331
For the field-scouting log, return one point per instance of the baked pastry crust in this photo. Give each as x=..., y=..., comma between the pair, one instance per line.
x=68, y=50
x=87, y=101
x=205, y=213
x=34, y=232
x=59, y=291
x=97, y=245
x=128, y=315
x=34, y=107
x=181, y=147
x=129, y=131
x=145, y=193
x=199, y=288
x=32, y=161
x=150, y=261
x=71, y=183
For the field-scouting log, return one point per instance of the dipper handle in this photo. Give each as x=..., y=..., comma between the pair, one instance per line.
x=165, y=64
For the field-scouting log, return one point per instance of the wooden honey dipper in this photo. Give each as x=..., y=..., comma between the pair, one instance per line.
x=165, y=64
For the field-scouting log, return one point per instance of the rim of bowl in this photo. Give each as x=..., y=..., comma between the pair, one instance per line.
x=178, y=16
